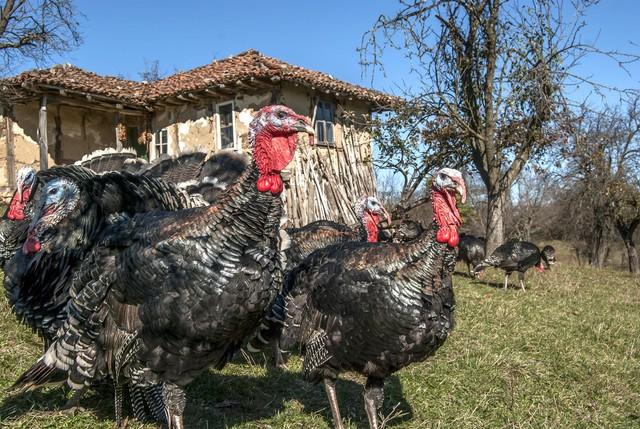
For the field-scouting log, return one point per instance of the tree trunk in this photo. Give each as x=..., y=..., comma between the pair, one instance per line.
x=599, y=241
x=632, y=253
x=495, y=222
x=626, y=232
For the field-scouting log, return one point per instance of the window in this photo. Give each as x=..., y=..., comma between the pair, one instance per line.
x=324, y=122
x=226, y=133
x=132, y=136
x=162, y=142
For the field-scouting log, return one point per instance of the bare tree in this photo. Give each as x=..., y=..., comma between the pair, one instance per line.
x=151, y=72
x=412, y=147
x=495, y=70
x=604, y=165
x=36, y=30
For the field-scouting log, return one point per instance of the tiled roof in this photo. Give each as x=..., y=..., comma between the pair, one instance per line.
x=253, y=64
x=247, y=66
x=73, y=78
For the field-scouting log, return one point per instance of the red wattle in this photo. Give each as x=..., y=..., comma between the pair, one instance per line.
x=263, y=184
x=31, y=245
x=540, y=268
x=454, y=239
x=442, y=236
x=276, y=185
x=16, y=208
x=271, y=182
x=371, y=225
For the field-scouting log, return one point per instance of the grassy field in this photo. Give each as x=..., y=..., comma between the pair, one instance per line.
x=564, y=354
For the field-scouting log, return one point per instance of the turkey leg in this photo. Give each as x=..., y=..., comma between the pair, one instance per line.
x=330, y=388
x=521, y=278
x=373, y=398
x=73, y=404
x=174, y=400
x=506, y=280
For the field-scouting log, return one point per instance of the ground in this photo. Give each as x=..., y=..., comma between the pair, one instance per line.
x=564, y=354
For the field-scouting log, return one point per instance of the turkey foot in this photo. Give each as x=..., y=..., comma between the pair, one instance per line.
x=373, y=398
x=174, y=400
x=72, y=407
x=280, y=361
x=330, y=388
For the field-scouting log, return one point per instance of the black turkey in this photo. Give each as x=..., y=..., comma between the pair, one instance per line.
x=518, y=256
x=304, y=241
x=375, y=308
x=197, y=173
x=15, y=220
x=471, y=251
x=109, y=159
x=198, y=279
x=38, y=278
x=402, y=232
x=316, y=235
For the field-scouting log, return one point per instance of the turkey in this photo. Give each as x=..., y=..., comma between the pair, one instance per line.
x=323, y=233
x=518, y=256
x=374, y=308
x=306, y=240
x=471, y=251
x=109, y=159
x=198, y=174
x=15, y=221
x=38, y=278
x=199, y=280
x=402, y=232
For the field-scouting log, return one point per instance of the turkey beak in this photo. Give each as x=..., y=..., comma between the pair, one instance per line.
x=304, y=126
x=20, y=191
x=462, y=190
x=386, y=216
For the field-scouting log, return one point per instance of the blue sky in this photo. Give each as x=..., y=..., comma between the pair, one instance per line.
x=120, y=35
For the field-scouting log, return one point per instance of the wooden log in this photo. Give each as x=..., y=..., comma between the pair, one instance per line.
x=11, y=157
x=116, y=120
x=42, y=134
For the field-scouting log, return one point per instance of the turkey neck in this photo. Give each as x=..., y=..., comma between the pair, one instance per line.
x=255, y=215
x=426, y=260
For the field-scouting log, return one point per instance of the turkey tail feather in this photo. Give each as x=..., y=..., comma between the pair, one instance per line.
x=39, y=375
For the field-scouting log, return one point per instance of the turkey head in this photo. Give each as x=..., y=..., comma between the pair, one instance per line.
x=274, y=134
x=59, y=198
x=26, y=180
x=446, y=183
x=369, y=210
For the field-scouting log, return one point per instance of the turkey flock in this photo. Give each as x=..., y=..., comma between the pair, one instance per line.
x=144, y=275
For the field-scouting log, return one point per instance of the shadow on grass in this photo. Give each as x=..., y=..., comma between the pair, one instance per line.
x=51, y=401
x=217, y=400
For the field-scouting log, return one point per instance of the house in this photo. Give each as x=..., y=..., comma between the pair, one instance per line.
x=57, y=115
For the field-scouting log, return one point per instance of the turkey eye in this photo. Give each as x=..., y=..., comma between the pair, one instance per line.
x=53, y=191
x=281, y=115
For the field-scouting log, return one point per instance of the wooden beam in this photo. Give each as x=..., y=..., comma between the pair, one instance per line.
x=116, y=120
x=11, y=157
x=42, y=134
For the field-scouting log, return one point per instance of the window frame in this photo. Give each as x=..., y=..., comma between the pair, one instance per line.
x=324, y=123
x=233, y=125
x=157, y=142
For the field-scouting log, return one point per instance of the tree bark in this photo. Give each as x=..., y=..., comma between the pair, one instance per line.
x=495, y=222
x=626, y=232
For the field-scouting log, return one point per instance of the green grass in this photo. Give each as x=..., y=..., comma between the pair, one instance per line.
x=564, y=354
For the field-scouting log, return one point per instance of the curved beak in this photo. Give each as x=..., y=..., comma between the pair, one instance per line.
x=304, y=126
x=386, y=215
x=461, y=189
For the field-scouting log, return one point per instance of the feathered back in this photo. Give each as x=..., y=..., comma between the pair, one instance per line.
x=224, y=167
x=106, y=159
x=179, y=169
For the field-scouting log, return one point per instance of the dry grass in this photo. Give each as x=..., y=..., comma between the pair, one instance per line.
x=564, y=354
